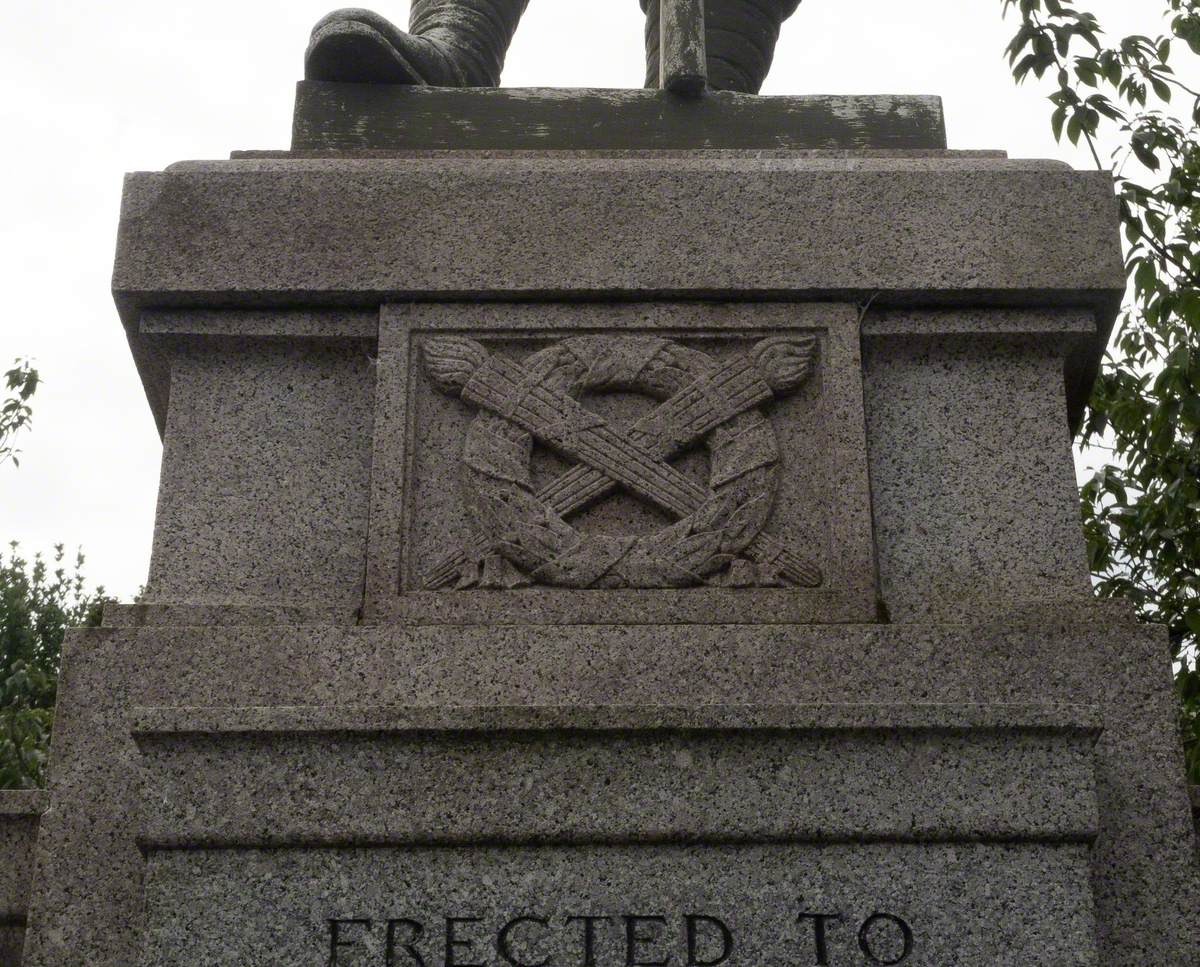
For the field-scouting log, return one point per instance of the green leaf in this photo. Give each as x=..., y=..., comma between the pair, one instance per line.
x=1057, y=119
x=1075, y=127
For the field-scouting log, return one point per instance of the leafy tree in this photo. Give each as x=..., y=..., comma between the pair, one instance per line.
x=37, y=605
x=1141, y=508
x=15, y=412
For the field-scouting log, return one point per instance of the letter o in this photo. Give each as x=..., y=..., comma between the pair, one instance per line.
x=864, y=941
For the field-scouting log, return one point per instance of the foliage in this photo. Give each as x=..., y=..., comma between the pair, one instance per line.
x=37, y=605
x=1142, y=508
x=15, y=412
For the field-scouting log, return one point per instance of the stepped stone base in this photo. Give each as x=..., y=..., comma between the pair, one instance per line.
x=420, y=773
x=607, y=557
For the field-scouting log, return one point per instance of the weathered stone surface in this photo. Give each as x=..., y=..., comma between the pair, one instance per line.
x=971, y=494
x=902, y=230
x=972, y=481
x=435, y=497
x=263, y=492
x=1142, y=866
x=276, y=228
x=349, y=117
x=320, y=339
x=226, y=777
x=20, y=813
x=958, y=901
x=12, y=941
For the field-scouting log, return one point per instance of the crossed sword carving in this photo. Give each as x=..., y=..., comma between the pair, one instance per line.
x=608, y=459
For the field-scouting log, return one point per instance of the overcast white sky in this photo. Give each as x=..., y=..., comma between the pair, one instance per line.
x=98, y=89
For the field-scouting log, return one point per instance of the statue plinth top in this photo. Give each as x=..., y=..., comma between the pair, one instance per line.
x=373, y=87
x=372, y=117
x=463, y=43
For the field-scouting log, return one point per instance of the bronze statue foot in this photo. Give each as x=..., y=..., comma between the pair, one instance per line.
x=449, y=43
x=360, y=47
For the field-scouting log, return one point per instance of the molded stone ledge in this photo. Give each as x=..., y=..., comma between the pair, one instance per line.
x=1074, y=325
x=92, y=887
x=162, y=721
x=320, y=324
x=1067, y=613
x=904, y=231
x=274, y=777
x=238, y=234
x=118, y=615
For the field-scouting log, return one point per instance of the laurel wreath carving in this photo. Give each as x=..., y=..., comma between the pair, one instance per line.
x=523, y=535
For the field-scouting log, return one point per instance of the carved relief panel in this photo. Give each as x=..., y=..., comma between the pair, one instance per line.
x=546, y=463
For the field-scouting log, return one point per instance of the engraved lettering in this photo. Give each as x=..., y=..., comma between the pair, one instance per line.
x=819, y=933
x=502, y=942
x=589, y=937
x=634, y=939
x=532, y=940
x=868, y=947
x=415, y=931
x=453, y=941
x=694, y=921
x=335, y=936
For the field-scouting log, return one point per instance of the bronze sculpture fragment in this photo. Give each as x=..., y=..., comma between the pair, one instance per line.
x=462, y=43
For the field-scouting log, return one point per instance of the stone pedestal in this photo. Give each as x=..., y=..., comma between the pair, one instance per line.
x=20, y=813
x=617, y=558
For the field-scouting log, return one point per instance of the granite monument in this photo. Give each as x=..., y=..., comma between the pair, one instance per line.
x=610, y=528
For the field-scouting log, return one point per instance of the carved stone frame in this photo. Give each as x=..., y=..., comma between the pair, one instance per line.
x=848, y=593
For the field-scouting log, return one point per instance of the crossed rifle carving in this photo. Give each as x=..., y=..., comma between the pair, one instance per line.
x=608, y=459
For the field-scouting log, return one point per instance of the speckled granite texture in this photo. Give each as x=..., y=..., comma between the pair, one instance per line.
x=271, y=511
x=228, y=776
x=20, y=813
x=972, y=480
x=1141, y=863
x=945, y=742
x=265, y=468
x=959, y=901
x=820, y=508
x=919, y=229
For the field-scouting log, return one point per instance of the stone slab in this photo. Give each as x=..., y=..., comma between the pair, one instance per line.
x=20, y=814
x=972, y=485
x=274, y=229
x=360, y=232
x=971, y=906
x=1142, y=868
x=378, y=116
x=316, y=325
x=420, y=506
x=972, y=479
x=227, y=777
x=266, y=461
